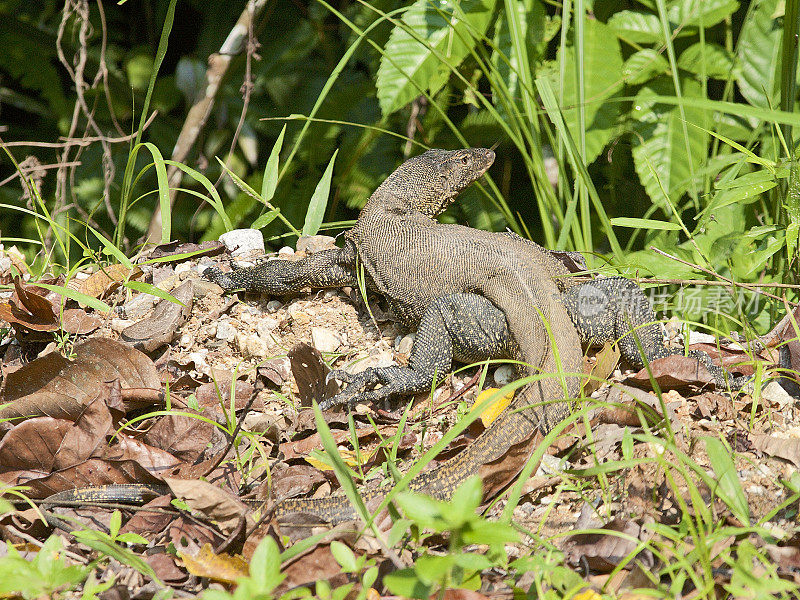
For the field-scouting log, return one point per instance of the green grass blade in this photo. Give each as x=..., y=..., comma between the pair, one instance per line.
x=319, y=200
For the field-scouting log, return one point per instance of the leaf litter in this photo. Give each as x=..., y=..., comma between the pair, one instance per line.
x=108, y=413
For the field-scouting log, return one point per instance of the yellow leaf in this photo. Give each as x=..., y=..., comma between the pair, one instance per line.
x=495, y=408
x=349, y=456
x=587, y=595
x=219, y=567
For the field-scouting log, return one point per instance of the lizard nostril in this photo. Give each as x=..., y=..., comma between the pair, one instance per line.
x=490, y=155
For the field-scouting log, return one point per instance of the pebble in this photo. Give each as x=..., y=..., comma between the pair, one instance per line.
x=274, y=305
x=774, y=392
x=504, y=374
x=251, y=345
x=243, y=241
x=199, y=359
x=186, y=340
x=551, y=465
x=301, y=318
x=138, y=306
x=266, y=326
x=203, y=287
x=119, y=324
x=756, y=490
x=324, y=339
x=406, y=344
x=286, y=251
x=225, y=331
x=696, y=337
x=376, y=359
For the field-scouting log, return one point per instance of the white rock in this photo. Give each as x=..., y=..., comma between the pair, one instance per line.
x=274, y=305
x=696, y=337
x=504, y=374
x=551, y=465
x=325, y=340
x=243, y=241
x=199, y=358
x=251, y=345
x=377, y=359
x=406, y=344
x=186, y=340
x=266, y=326
x=286, y=251
x=775, y=393
x=119, y=324
x=183, y=268
x=138, y=306
x=225, y=331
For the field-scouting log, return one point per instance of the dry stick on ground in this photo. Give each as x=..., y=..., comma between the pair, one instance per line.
x=218, y=64
x=746, y=286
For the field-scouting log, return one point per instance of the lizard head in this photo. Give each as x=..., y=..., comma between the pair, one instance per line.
x=438, y=176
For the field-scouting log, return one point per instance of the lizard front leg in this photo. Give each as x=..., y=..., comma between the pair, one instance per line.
x=464, y=327
x=324, y=269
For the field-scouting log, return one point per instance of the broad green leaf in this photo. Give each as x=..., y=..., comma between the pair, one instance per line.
x=637, y=27
x=404, y=582
x=744, y=193
x=746, y=180
x=344, y=556
x=691, y=13
x=758, y=52
x=432, y=39
x=659, y=146
x=265, y=219
x=265, y=566
x=684, y=17
x=729, y=487
x=319, y=200
x=643, y=66
x=271, y=170
x=643, y=223
x=602, y=64
x=718, y=61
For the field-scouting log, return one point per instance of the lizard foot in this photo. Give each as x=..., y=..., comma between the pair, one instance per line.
x=215, y=275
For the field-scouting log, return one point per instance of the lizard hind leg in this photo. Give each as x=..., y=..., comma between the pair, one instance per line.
x=463, y=327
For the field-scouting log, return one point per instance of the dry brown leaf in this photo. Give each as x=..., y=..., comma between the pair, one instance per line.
x=604, y=552
x=107, y=280
x=59, y=388
x=673, y=372
x=785, y=448
x=309, y=372
x=159, y=328
x=606, y=361
x=29, y=308
x=220, y=506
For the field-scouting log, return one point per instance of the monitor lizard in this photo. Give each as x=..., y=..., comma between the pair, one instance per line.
x=471, y=295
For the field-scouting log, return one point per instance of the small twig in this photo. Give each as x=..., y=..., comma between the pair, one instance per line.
x=789, y=286
x=746, y=286
x=232, y=441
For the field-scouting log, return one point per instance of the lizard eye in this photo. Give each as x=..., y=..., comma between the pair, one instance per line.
x=465, y=160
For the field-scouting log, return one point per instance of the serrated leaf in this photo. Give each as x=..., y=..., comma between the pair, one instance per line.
x=602, y=65
x=319, y=200
x=643, y=66
x=758, y=53
x=443, y=34
x=659, y=145
x=718, y=61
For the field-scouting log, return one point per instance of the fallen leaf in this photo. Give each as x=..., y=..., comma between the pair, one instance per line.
x=493, y=409
x=59, y=388
x=673, y=372
x=107, y=280
x=606, y=361
x=219, y=567
x=159, y=328
x=785, y=448
x=309, y=372
x=218, y=505
x=605, y=551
